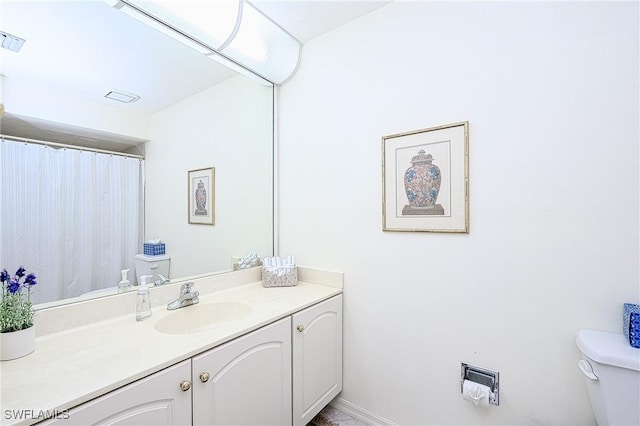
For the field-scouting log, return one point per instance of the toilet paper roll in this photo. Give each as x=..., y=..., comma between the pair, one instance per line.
x=476, y=393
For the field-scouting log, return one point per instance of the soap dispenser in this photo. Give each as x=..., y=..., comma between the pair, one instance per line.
x=124, y=285
x=143, y=307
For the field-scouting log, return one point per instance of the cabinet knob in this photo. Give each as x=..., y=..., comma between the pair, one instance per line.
x=185, y=385
x=300, y=328
x=204, y=377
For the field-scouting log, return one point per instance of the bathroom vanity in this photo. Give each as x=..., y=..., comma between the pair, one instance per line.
x=244, y=355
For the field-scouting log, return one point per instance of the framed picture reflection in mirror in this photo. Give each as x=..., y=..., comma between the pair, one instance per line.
x=201, y=194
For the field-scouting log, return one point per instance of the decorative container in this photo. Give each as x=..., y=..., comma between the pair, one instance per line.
x=16, y=344
x=153, y=249
x=201, y=199
x=631, y=326
x=422, y=181
x=279, y=277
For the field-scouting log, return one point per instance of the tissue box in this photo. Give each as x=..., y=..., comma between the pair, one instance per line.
x=632, y=324
x=153, y=249
x=282, y=277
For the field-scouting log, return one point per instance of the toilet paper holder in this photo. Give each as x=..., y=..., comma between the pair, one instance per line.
x=489, y=378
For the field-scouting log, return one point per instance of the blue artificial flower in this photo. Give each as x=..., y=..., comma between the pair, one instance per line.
x=16, y=310
x=14, y=286
x=30, y=280
x=20, y=272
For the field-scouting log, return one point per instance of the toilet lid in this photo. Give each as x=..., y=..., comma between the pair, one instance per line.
x=149, y=258
x=609, y=348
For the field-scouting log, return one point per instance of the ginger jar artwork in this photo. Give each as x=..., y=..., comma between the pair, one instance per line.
x=201, y=199
x=422, y=185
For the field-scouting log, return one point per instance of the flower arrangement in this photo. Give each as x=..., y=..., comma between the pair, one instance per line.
x=16, y=309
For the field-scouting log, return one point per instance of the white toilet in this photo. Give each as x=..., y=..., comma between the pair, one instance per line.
x=152, y=265
x=612, y=371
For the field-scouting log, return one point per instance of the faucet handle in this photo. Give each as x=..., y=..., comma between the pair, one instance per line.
x=162, y=280
x=186, y=287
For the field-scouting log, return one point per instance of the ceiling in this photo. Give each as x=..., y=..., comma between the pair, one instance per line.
x=86, y=48
x=308, y=19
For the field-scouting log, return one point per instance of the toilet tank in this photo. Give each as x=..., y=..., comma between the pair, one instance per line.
x=611, y=367
x=152, y=265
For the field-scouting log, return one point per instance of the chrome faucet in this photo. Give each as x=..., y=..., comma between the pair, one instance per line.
x=187, y=297
x=162, y=280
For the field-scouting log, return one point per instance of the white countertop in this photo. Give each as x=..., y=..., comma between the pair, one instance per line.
x=74, y=365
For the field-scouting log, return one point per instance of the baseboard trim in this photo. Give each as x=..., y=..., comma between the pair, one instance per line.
x=360, y=413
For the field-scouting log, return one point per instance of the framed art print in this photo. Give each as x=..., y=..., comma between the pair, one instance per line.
x=425, y=180
x=201, y=194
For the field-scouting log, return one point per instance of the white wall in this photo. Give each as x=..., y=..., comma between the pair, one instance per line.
x=229, y=127
x=551, y=94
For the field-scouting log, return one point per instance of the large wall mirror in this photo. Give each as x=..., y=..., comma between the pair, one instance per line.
x=193, y=113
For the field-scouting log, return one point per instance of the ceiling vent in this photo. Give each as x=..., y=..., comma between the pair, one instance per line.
x=127, y=98
x=11, y=42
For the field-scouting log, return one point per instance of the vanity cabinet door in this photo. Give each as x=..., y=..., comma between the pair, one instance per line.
x=158, y=399
x=246, y=381
x=317, y=358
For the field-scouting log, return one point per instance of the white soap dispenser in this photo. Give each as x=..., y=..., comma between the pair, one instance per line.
x=143, y=307
x=124, y=285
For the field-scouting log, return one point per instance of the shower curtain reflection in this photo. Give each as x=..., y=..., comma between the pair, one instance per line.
x=73, y=217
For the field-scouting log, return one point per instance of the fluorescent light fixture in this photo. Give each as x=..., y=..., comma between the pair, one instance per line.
x=263, y=46
x=147, y=20
x=127, y=98
x=11, y=42
x=210, y=22
x=233, y=28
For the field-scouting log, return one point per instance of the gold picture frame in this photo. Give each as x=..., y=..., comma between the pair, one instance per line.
x=201, y=196
x=425, y=180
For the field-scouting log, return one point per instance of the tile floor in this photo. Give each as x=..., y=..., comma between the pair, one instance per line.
x=330, y=416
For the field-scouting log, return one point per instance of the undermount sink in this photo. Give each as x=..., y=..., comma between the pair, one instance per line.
x=201, y=317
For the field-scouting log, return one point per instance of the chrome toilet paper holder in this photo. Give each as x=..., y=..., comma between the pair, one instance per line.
x=489, y=378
